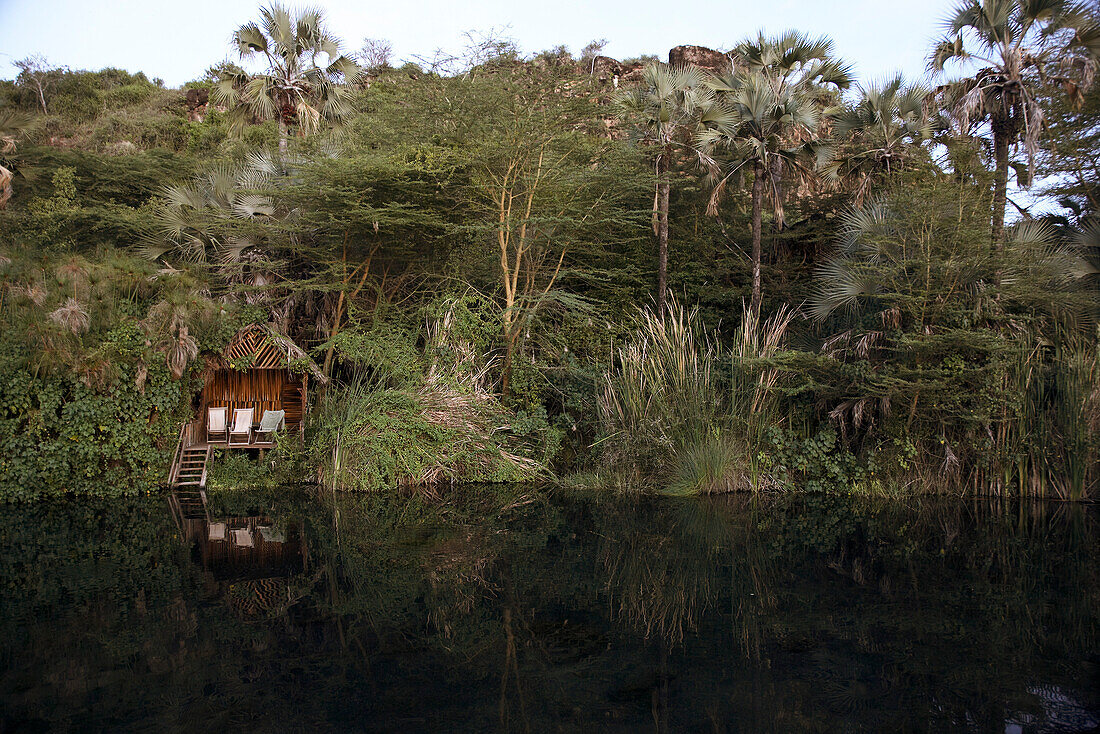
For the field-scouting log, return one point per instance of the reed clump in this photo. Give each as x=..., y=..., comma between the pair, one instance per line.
x=684, y=413
x=438, y=423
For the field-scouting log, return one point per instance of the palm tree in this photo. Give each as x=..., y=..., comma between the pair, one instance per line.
x=769, y=119
x=878, y=135
x=215, y=217
x=1016, y=43
x=294, y=89
x=670, y=105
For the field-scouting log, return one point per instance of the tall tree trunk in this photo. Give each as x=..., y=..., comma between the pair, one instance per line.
x=42, y=98
x=283, y=134
x=506, y=368
x=1000, y=185
x=757, y=221
x=663, y=186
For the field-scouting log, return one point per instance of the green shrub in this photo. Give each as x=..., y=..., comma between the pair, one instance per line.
x=818, y=463
x=106, y=432
x=369, y=440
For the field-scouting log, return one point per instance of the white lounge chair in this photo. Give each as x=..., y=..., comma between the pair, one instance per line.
x=272, y=421
x=241, y=432
x=271, y=534
x=217, y=425
x=217, y=531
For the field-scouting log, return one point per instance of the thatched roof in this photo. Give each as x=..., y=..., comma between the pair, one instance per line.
x=267, y=349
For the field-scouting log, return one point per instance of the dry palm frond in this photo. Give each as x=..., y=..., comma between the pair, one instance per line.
x=853, y=414
x=6, y=190
x=181, y=353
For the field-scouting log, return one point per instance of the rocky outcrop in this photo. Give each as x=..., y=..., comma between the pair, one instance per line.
x=197, y=101
x=701, y=56
x=609, y=71
x=606, y=69
x=632, y=72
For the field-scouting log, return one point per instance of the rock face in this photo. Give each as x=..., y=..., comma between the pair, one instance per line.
x=701, y=56
x=197, y=100
x=606, y=69
x=632, y=72
x=609, y=71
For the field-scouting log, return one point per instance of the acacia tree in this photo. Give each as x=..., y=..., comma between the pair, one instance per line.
x=668, y=109
x=36, y=74
x=1014, y=44
x=538, y=189
x=294, y=89
x=768, y=119
x=375, y=55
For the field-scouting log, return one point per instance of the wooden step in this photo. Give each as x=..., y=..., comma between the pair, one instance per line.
x=189, y=470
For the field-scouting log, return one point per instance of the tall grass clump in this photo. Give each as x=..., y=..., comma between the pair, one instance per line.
x=419, y=420
x=683, y=413
x=1048, y=443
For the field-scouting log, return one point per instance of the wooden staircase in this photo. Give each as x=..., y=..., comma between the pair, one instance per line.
x=191, y=469
x=189, y=463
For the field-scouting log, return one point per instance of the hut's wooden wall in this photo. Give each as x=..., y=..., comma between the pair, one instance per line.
x=258, y=389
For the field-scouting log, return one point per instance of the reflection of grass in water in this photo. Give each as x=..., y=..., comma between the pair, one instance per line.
x=666, y=564
x=848, y=696
x=659, y=561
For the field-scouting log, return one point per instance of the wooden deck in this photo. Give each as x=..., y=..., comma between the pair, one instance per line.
x=191, y=460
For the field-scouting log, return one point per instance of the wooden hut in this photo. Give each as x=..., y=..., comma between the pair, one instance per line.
x=259, y=369
x=263, y=370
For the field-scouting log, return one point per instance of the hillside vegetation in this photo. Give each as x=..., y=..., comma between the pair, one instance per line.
x=749, y=272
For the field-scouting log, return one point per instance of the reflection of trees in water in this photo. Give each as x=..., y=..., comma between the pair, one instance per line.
x=724, y=614
x=668, y=563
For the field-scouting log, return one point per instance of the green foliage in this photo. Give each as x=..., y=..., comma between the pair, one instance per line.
x=369, y=440
x=60, y=435
x=818, y=463
x=936, y=361
x=939, y=357
x=48, y=216
x=680, y=409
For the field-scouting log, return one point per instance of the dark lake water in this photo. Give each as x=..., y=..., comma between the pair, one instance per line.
x=504, y=609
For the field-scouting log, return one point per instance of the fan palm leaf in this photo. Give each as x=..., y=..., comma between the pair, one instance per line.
x=769, y=119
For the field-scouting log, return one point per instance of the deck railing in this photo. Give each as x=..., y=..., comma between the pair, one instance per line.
x=189, y=433
x=177, y=457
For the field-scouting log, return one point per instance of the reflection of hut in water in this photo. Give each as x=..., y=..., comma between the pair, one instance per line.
x=239, y=548
x=249, y=560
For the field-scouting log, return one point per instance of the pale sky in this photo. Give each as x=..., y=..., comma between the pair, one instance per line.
x=176, y=40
